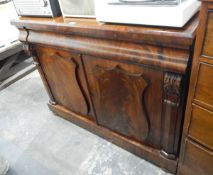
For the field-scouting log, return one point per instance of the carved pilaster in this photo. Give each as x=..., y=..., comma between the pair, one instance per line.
x=172, y=83
x=172, y=90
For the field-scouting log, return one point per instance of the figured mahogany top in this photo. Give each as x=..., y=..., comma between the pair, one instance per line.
x=172, y=37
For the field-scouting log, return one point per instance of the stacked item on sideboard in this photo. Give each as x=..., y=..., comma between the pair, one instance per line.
x=54, y=8
x=78, y=8
x=145, y=2
x=41, y=8
x=173, y=13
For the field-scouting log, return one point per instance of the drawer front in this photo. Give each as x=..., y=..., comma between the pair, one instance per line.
x=208, y=42
x=201, y=126
x=204, y=87
x=197, y=160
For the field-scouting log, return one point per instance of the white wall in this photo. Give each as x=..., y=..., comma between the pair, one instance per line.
x=8, y=32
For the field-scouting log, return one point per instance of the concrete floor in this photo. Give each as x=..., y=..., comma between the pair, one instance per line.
x=36, y=142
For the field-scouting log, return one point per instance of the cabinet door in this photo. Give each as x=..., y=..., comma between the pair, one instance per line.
x=65, y=76
x=127, y=98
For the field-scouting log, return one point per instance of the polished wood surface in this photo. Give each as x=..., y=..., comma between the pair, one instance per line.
x=166, y=58
x=177, y=37
x=203, y=92
x=200, y=127
x=125, y=98
x=66, y=69
x=172, y=106
x=198, y=159
x=125, y=83
x=196, y=156
x=208, y=46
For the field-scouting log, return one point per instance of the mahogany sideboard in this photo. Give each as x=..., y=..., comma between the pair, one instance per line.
x=196, y=156
x=125, y=83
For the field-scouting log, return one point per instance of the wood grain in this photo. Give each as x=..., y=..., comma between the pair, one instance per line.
x=62, y=68
x=163, y=36
x=164, y=58
x=172, y=98
x=120, y=104
x=200, y=127
x=197, y=160
x=204, y=88
x=152, y=94
x=208, y=46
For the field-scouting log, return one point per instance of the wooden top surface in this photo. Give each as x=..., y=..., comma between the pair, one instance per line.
x=179, y=37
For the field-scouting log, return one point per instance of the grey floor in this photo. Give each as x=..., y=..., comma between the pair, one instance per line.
x=36, y=142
